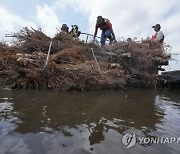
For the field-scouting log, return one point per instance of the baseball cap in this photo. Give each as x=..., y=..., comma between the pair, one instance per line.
x=157, y=25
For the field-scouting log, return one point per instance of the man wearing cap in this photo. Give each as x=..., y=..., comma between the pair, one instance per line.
x=107, y=30
x=65, y=28
x=158, y=36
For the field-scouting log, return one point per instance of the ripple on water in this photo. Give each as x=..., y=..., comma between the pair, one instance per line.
x=6, y=107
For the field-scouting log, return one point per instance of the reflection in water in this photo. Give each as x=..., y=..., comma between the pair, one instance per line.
x=86, y=122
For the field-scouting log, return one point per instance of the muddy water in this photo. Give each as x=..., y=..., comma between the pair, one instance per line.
x=94, y=122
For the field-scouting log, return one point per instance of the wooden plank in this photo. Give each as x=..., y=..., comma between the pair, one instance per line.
x=172, y=73
x=171, y=76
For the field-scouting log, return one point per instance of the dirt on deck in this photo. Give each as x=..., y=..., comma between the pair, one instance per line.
x=74, y=65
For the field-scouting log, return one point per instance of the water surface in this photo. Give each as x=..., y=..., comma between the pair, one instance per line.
x=93, y=122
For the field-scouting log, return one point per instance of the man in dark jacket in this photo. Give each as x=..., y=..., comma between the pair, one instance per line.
x=107, y=30
x=65, y=28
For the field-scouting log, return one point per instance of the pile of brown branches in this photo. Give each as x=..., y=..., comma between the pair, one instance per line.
x=74, y=65
x=3, y=47
x=31, y=40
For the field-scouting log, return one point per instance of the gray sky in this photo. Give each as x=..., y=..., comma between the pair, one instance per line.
x=130, y=18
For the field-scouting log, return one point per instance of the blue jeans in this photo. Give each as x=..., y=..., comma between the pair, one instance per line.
x=104, y=35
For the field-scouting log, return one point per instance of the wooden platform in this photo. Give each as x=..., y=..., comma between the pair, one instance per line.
x=170, y=78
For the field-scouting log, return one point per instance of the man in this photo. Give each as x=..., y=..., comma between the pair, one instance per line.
x=107, y=30
x=158, y=36
x=75, y=31
x=65, y=28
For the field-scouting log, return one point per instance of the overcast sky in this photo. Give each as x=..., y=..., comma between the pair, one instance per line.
x=130, y=18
